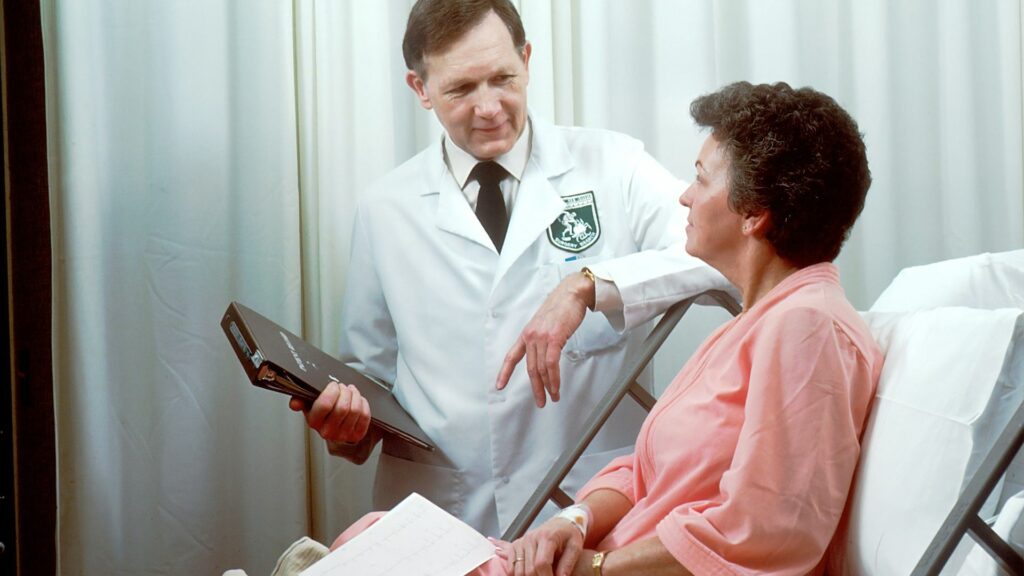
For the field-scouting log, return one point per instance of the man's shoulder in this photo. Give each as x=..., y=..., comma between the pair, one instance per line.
x=403, y=181
x=579, y=137
x=588, y=148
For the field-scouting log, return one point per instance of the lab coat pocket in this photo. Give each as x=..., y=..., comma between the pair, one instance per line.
x=398, y=477
x=595, y=333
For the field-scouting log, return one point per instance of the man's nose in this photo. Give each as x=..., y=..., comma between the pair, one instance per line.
x=487, y=103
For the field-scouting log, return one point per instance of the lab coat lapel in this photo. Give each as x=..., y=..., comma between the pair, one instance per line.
x=453, y=212
x=538, y=202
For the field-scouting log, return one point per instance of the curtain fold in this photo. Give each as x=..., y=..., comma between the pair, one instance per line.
x=209, y=151
x=175, y=140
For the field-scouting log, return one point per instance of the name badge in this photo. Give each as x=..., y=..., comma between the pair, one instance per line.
x=578, y=226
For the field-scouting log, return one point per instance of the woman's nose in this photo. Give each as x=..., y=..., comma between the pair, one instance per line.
x=685, y=198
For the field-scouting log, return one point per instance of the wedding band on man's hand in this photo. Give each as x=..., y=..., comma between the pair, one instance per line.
x=519, y=559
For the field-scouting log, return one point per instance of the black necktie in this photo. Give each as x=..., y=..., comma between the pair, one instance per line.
x=490, y=204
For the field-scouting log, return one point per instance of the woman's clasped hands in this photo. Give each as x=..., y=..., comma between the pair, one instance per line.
x=553, y=549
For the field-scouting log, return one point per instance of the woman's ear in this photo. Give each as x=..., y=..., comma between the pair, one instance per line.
x=756, y=224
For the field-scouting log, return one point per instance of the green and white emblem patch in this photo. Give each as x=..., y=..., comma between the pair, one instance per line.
x=578, y=227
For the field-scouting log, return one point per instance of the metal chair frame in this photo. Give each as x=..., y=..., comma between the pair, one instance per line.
x=964, y=518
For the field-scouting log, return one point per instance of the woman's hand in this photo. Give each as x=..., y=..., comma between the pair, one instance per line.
x=551, y=550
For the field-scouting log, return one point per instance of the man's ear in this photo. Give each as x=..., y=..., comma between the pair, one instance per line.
x=527, y=50
x=419, y=86
x=756, y=224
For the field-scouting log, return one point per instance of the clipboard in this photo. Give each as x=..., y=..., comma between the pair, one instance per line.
x=278, y=360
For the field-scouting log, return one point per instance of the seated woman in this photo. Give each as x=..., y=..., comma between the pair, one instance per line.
x=744, y=464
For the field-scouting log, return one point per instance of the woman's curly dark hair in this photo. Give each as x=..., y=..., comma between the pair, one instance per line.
x=795, y=154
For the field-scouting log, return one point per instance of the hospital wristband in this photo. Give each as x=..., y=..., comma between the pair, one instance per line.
x=579, y=515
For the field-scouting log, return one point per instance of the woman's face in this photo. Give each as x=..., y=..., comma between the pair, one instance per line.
x=713, y=231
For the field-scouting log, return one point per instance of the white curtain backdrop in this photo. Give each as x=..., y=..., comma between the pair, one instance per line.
x=175, y=189
x=205, y=151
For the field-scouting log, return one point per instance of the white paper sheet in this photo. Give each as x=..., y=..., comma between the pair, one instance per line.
x=415, y=538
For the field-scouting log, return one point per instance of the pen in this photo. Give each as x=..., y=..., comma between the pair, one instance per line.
x=571, y=258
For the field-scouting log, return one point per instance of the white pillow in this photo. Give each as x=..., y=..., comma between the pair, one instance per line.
x=951, y=378
x=983, y=281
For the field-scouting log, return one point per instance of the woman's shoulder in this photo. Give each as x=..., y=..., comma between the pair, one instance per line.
x=818, y=309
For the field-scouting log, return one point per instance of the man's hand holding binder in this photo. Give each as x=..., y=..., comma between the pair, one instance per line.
x=339, y=414
x=334, y=398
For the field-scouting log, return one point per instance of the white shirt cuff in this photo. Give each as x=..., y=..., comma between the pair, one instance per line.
x=607, y=298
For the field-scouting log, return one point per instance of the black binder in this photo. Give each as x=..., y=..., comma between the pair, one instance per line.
x=275, y=359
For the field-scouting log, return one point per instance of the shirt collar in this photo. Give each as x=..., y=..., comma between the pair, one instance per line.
x=461, y=163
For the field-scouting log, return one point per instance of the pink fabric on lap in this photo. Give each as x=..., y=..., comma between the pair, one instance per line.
x=357, y=528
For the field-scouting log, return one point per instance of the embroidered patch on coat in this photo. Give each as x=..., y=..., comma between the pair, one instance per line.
x=578, y=227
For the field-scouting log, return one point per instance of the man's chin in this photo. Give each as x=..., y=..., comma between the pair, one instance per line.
x=491, y=150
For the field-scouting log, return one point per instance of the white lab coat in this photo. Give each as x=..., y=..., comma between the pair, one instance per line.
x=432, y=307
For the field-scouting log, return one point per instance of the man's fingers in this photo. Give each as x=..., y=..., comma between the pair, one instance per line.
x=334, y=423
x=322, y=406
x=533, y=368
x=364, y=419
x=514, y=356
x=347, y=424
x=535, y=377
x=542, y=367
x=554, y=383
x=297, y=404
x=358, y=420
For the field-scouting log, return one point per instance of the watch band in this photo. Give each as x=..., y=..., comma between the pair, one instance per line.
x=589, y=274
x=597, y=563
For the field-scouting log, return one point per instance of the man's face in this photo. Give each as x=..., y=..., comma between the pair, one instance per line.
x=477, y=88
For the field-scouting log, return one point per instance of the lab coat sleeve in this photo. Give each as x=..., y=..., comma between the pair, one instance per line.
x=660, y=273
x=617, y=475
x=368, y=341
x=786, y=487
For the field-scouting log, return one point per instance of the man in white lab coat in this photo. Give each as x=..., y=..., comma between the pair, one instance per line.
x=460, y=269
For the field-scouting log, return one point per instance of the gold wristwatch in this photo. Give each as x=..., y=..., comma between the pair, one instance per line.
x=597, y=563
x=589, y=274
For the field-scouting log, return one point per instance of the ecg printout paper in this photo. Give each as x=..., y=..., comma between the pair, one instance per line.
x=415, y=538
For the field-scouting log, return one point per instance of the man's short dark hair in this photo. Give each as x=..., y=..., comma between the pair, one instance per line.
x=795, y=154
x=434, y=25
